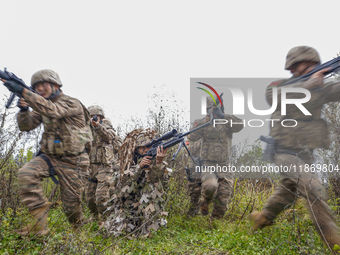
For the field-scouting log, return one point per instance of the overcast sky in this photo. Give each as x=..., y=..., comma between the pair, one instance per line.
x=113, y=53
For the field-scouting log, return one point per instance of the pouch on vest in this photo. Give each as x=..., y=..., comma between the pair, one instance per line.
x=58, y=146
x=107, y=154
x=214, y=150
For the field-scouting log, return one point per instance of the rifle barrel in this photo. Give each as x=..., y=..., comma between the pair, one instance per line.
x=195, y=129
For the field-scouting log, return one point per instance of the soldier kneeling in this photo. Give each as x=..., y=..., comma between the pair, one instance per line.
x=140, y=192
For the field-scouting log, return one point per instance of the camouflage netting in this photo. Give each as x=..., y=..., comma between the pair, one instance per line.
x=140, y=194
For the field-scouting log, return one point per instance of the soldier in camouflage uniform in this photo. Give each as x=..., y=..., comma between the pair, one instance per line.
x=141, y=187
x=62, y=148
x=295, y=146
x=214, y=148
x=102, y=158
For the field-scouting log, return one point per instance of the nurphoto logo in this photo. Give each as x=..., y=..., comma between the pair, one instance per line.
x=281, y=97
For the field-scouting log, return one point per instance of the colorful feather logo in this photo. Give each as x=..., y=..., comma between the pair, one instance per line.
x=209, y=93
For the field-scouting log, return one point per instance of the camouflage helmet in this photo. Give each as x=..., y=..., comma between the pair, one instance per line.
x=132, y=142
x=46, y=75
x=142, y=140
x=145, y=137
x=301, y=54
x=96, y=110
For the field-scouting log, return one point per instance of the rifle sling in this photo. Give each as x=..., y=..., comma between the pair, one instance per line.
x=50, y=167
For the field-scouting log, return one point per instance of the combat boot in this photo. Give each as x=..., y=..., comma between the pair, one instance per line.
x=205, y=207
x=39, y=224
x=79, y=224
x=259, y=220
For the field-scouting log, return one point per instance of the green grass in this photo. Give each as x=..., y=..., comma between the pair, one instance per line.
x=293, y=232
x=195, y=235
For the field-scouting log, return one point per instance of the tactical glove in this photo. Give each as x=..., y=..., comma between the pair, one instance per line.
x=14, y=87
x=22, y=108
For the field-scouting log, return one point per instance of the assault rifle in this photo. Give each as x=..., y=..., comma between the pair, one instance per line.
x=175, y=138
x=7, y=76
x=95, y=118
x=333, y=64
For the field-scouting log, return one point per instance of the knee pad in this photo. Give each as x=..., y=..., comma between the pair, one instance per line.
x=209, y=188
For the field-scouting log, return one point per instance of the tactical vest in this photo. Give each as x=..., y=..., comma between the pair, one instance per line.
x=312, y=134
x=62, y=137
x=216, y=144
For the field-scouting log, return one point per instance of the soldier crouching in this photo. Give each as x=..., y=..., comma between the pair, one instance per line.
x=213, y=146
x=140, y=193
x=62, y=148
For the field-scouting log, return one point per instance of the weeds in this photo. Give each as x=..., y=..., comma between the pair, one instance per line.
x=293, y=234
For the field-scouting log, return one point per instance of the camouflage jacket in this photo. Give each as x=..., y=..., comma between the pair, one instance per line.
x=66, y=124
x=214, y=143
x=311, y=130
x=105, y=144
x=140, y=195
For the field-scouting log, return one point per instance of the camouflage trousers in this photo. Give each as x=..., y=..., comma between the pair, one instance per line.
x=70, y=172
x=214, y=189
x=113, y=185
x=98, y=193
x=195, y=194
x=301, y=184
